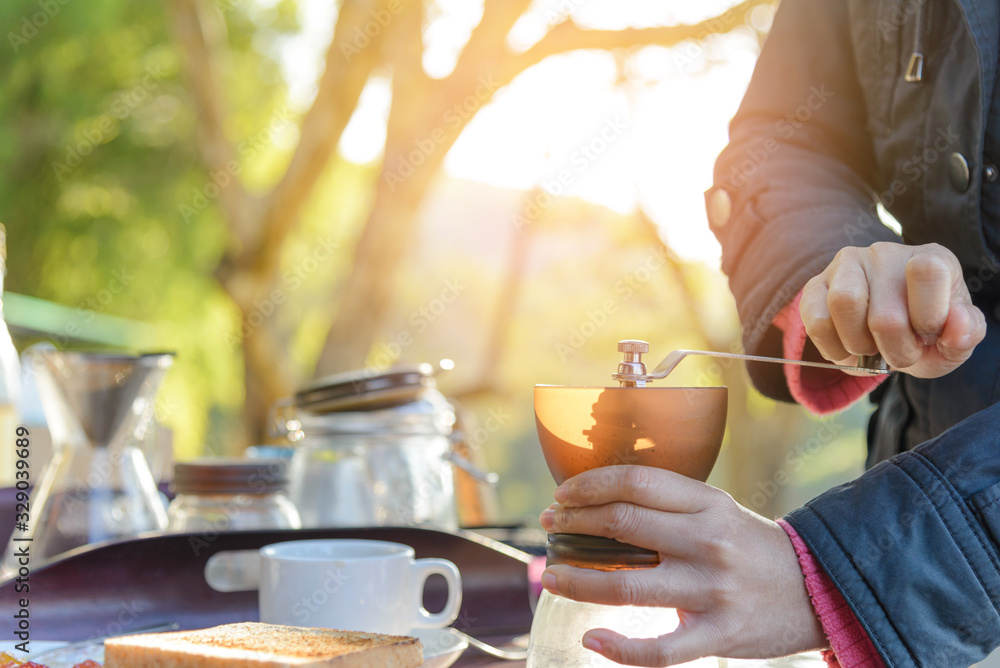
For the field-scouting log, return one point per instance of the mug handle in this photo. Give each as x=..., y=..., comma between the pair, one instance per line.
x=423, y=569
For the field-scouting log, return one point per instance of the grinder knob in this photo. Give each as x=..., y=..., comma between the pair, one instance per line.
x=633, y=346
x=632, y=364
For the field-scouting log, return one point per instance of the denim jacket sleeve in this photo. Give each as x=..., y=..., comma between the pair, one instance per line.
x=913, y=546
x=798, y=175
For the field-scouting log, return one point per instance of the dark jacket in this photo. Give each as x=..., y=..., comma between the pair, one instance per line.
x=830, y=126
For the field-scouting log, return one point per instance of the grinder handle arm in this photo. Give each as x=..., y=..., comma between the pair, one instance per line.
x=874, y=365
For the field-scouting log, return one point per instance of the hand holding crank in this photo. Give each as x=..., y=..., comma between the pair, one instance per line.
x=732, y=575
x=908, y=303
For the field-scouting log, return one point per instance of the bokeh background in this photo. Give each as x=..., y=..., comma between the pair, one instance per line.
x=283, y=189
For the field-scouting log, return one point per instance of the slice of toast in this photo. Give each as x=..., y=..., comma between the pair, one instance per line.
x=255, y=645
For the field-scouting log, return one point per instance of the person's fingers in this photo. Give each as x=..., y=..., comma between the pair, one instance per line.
x=929, y=285
x=672, y=584
x=964, y=329
x=683, y=645
x=889, y=321
x=676, y=534
x=815, y=313
x=642, y=485
x=847, y=302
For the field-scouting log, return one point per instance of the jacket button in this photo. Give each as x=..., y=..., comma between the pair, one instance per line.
x=990, y=173
x=958, y=172
x=719, y=206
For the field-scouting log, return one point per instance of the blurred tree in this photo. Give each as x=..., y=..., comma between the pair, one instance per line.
x=426, y=117
x=142, y=176
x=96, y=151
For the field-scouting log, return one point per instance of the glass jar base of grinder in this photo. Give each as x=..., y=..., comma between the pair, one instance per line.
x=560, y=623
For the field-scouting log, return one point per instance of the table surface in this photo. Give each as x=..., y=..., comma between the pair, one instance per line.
x=473, y=658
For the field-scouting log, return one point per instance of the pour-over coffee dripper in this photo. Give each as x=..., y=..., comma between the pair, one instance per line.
x=97, y=485
x=582, y=428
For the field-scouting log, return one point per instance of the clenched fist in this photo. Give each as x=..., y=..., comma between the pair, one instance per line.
x=909, y=303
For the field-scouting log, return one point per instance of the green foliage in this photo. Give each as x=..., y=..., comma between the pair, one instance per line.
x=98, y=150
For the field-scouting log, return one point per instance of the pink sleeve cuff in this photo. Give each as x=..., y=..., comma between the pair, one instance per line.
x=850, y=645
x=822, y=391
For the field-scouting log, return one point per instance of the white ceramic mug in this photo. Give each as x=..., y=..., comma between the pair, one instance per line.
x=352, y=585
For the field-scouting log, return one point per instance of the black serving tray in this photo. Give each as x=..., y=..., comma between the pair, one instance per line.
x=130, y=585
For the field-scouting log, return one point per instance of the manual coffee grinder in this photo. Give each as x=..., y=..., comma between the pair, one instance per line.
x=581, y=428
x=674, y=428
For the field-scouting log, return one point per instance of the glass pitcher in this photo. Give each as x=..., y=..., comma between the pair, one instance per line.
x=98, y=485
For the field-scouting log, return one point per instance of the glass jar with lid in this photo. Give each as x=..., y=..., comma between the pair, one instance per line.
x=373, y=449
x=216, y=495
